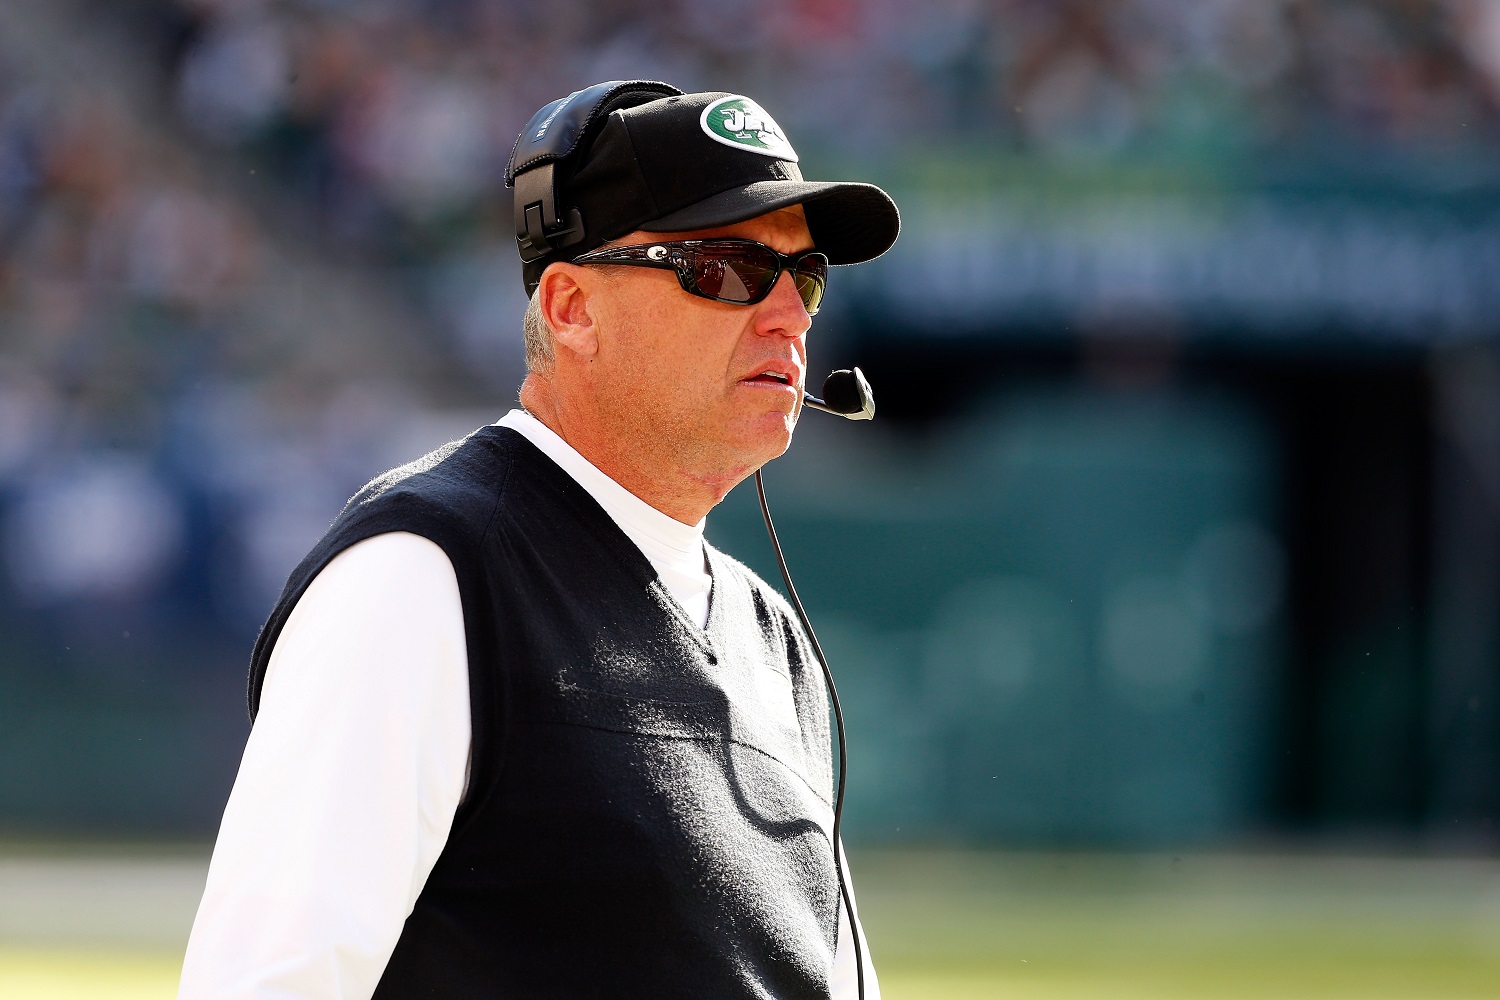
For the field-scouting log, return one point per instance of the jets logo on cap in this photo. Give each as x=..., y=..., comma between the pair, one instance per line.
x=741, y=123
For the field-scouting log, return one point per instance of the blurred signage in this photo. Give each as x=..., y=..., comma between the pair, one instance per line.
x=1259, y=265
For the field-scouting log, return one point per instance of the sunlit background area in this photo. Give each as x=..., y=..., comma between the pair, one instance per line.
x=1164, y=592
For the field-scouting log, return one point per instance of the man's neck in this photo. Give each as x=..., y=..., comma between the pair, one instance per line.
x=656, y=479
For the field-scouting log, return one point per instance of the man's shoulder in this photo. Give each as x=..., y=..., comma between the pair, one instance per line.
x=463, y=479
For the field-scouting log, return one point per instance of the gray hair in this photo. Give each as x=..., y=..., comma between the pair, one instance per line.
x=538, y=334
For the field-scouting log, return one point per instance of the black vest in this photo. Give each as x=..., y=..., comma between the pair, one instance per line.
x=649, y=802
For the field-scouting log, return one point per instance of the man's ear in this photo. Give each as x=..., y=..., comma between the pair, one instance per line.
x=563, y=297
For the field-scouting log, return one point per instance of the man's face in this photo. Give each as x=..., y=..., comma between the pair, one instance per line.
x=686, y=378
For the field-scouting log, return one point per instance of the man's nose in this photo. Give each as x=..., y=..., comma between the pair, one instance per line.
x=783, y=311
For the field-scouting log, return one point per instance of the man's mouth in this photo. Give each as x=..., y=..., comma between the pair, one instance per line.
x=775, y=377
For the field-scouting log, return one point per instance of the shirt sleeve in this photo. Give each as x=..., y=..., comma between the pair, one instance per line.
x=844, y=983
x=349, y=783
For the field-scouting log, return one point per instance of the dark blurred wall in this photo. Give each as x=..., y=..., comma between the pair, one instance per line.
x=1057, y=618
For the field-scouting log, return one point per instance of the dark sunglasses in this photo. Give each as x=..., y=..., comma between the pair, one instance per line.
x=739, y=271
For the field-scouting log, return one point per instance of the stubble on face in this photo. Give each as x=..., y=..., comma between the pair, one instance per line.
x=669, y=373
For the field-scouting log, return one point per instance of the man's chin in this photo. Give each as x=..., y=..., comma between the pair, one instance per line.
x=751, y=446
x=768, y=436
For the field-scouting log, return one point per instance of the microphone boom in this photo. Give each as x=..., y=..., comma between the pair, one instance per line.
x=846, y=393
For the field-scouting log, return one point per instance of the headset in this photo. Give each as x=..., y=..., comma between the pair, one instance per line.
x=542, y=226
x=553, y=135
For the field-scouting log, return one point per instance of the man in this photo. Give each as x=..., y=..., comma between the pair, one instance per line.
x=519, y=731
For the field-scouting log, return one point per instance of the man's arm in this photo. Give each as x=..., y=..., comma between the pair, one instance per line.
x=347, y=790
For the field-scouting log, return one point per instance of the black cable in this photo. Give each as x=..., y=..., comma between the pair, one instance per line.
x=838, y=718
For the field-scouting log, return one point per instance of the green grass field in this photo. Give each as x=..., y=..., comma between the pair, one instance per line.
x=943, y=925
x=966, y=925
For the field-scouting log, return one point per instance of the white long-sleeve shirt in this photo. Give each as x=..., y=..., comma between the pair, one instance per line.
x=358, y=761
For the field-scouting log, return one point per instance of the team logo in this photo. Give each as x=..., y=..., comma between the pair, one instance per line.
x=740, y=122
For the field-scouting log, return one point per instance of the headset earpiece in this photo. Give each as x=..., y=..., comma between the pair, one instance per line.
x=544, y=222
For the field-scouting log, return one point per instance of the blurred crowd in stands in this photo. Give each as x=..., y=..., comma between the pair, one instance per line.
x=151, y=441
x=159, y=454
x=409, y=108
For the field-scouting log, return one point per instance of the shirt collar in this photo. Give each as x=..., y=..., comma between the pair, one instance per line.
x=621, y=504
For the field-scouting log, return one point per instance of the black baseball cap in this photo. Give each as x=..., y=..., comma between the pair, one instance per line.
x=698, y=161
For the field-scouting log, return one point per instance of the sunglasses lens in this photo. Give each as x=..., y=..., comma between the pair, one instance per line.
x=811, y=277
x=741, y=271
x=733, y=272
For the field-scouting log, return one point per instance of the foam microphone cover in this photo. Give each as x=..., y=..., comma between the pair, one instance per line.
x=847, y=392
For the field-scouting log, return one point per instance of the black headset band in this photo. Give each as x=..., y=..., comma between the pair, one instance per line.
x=555, y=133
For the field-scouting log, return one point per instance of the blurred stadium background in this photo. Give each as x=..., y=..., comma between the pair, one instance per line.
x=1165, y=593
